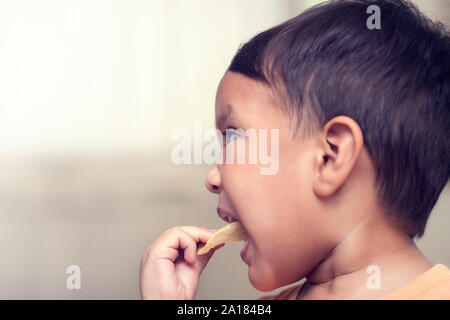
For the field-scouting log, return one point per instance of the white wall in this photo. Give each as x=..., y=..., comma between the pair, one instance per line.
x=90, y=92
x=114, y=75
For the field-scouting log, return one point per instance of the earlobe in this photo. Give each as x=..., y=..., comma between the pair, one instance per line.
x=321, y=187
x=340, y=144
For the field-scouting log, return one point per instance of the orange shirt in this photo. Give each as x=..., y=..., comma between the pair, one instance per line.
x=434, y=284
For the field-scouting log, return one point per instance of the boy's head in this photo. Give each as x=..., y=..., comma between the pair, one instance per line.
x=363, y=118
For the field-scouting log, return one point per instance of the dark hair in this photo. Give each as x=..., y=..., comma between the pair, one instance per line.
x=393, y=81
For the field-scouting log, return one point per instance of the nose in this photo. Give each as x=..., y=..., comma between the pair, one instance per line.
x=213, y=181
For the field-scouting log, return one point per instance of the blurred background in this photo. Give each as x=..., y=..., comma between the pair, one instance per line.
x=90, y=92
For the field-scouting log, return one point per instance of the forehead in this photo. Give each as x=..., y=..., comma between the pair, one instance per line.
x=237, y=93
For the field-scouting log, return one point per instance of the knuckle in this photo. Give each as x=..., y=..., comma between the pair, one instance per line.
x=169, y=231
x=175, y=229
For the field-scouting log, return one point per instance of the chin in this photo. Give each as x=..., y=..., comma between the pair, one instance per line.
x=260, y=282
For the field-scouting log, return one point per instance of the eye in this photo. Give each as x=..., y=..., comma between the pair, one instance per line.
x=230, y=134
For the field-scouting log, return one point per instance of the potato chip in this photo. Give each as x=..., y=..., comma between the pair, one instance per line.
x=231, y=232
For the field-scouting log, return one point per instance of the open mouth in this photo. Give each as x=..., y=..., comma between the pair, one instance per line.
x=226, y=215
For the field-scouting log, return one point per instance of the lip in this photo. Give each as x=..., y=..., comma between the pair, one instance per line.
x=244, y=251
x=226, y=215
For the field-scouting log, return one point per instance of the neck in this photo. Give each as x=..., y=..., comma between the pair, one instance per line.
x=374, y=241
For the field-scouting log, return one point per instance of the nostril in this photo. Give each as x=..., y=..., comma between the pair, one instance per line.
x=213, y=181
x=212, y=187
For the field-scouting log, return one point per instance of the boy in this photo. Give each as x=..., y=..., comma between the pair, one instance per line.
x=364, y=152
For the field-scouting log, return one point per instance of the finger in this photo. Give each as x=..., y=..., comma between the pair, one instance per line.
x=185, y=238
x=199, y=234
x=169, y=244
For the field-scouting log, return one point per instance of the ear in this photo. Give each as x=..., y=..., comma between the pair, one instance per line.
x=340, y=144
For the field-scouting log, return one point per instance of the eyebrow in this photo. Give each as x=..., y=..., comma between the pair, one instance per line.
x=222, y=119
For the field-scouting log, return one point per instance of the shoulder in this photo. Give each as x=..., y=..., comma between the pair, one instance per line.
x=432, y=285
x=440, y=287
x=287, y=294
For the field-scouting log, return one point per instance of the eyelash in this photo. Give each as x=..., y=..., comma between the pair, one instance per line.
x=231, y=132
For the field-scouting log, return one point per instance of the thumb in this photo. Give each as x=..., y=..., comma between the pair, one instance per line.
x=202, y=260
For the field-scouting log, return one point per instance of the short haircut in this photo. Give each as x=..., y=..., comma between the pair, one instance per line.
x=393, y=81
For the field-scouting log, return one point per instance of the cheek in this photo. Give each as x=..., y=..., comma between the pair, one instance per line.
x=274, y=209
x=268, y=206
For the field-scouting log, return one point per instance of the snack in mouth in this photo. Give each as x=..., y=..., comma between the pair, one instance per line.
x=234, y=231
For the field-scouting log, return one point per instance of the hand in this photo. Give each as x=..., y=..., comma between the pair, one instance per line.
x=170, y=267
